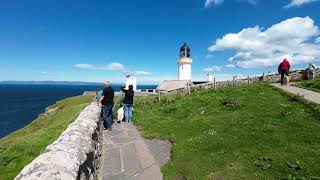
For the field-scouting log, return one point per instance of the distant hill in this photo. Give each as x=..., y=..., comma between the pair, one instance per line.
x=51, y=82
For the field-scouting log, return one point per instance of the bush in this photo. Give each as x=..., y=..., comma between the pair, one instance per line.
x=231, y=103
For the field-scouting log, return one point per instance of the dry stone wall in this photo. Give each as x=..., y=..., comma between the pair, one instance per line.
x=74, y=155
x=272, y=78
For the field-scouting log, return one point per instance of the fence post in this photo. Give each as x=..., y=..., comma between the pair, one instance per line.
x=263, y=76
x=188, y=89
x=159, y=98
x=248, y=80
x=234, y=80
x=214, y=83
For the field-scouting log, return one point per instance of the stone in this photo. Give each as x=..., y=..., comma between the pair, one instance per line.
x=144, y=155
x=74, y=155
x=130, y=160
x=136, y=158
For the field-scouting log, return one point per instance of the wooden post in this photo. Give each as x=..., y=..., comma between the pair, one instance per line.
x=188, y=89
x=263, y=76
x=234, y=80
x=159, y=98
x=214, y=83
x=248, y=80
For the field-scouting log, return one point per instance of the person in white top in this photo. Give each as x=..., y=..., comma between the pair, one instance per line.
x=312, y=70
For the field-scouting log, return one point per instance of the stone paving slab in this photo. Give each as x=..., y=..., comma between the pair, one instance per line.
x=307, y=94
x=125, y=156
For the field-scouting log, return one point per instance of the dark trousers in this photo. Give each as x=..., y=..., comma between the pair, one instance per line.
x=284, y=72
x=107, y=115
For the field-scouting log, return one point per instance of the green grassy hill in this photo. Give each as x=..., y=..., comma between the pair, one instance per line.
x=244, y=132
x=21, y=147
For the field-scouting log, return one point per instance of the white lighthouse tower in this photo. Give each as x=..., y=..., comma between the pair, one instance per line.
x=209, y=77
x=131, y=80
x=184, y=63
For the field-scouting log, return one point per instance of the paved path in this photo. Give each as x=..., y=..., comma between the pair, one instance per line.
x=125, y=156
x=308, y=95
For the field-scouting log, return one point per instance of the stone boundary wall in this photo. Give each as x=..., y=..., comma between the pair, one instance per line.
x=272, y=78
x=74, y=155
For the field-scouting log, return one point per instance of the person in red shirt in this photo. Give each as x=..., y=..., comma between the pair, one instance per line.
x=283, y=69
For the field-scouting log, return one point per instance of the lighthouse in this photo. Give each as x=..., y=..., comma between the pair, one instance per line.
x=184, y=63
x=131, y=80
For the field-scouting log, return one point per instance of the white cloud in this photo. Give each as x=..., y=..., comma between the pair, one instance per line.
x=230, y=66
x=114, y=66
x=297, y=3
x=215, y=2
x=47, y=73
x=84, y=66
x=213, y=68
x=317, y=40
x=258, y=47
x=249, y=1
x=208, y=3
x=142, y=73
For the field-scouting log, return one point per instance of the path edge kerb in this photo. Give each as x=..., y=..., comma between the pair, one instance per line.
x=287, y=93
x=74, y=155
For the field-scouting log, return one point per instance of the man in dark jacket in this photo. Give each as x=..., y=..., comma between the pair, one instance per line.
x=107, y=101
x=128, y=102
x=283, y=69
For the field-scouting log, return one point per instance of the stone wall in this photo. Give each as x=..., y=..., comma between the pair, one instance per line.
x=272, y=78
x=74, y=155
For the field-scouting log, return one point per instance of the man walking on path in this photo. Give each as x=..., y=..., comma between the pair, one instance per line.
x=128, y=102
x=107, y=101
x=283, y=69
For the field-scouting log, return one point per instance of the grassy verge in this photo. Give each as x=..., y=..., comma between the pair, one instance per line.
x=244, y=132
x=313, y=85
x=21, y=147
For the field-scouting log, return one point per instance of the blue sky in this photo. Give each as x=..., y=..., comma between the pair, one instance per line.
x=98, y=40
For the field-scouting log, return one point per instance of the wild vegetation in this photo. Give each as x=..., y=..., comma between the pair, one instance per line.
x=243, y=132
x=21, y=147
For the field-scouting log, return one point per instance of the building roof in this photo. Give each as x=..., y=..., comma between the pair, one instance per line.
x=170, y=85
x=184, y=47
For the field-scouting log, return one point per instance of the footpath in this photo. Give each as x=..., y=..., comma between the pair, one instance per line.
x=307, y=94
x=125, y=156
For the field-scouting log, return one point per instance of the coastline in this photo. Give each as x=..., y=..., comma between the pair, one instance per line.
x=20, y=147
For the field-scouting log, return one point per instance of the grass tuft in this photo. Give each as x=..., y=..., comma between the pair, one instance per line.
x=231, y=103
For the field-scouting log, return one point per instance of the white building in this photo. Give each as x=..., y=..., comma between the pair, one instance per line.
x=209, y=77
x=131, y=80
x=184, y=63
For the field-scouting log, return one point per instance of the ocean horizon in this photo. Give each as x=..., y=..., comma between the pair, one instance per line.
x=22, y=103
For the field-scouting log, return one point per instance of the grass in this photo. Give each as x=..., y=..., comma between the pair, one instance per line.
x=22, y=146
x=243, y=132
x=313, y=85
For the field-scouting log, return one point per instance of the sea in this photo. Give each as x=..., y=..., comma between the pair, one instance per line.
x=20, y=104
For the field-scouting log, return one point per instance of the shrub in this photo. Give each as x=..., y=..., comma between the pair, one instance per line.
x=231, y=103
